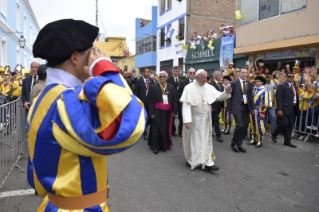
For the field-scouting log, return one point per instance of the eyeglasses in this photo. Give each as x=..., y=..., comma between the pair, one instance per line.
x=191, y=72
x=290, y=76
x=162, y=76
x=257, y=81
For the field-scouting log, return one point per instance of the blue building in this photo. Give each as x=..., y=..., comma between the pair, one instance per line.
x=17, y=19
x=146, y=43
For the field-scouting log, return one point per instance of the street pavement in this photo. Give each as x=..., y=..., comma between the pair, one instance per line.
x=272, y=178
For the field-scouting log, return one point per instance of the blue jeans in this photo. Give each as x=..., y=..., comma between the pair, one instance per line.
x=273, y=118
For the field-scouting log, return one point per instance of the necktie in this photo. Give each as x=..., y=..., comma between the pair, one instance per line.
x=191, y=80
x=147, y=85
x=293, y=91
x=34, y=80
x=176, y=81
x=244, y=87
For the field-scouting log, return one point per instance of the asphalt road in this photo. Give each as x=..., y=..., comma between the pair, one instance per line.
x=272, y=178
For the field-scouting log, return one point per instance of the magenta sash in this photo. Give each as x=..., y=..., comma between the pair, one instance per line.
x=161, y=106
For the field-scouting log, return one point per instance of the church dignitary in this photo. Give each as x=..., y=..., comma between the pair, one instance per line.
x=141, y=89
x=240, y=105
x=217, y=105
x=28, y=83
x=74, y=126
x=227, y=116
x=262, y=100
x=175, y=80
x=162, y=107
x=287, y=106
x=197, y=132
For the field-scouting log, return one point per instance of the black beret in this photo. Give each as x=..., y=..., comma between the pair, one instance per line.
x=13, y=73
x=227, y=78
x=42, y=69
x=58, y=40
x=261, y=78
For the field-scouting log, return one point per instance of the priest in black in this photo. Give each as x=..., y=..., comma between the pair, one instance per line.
x=141, y=89
x=175, y=81
x=162, y=102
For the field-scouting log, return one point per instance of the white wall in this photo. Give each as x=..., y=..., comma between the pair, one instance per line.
x=168, y=53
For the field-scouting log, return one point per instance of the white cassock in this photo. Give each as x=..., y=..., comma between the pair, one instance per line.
x=198, y=141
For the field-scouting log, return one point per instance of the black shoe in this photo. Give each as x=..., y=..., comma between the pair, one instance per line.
x=226, y=133
x=188, y=164
x=251, y=143
x=219, y=139
x=174, y=134
x=234, y=148
x=291, y=145
x=211, y=168
x=145, y=135
x=241, y=149
x=180, y=135
x=259, y=145
x=274, y=139
x=214, y=135
x=155, y=151
x=246, y=138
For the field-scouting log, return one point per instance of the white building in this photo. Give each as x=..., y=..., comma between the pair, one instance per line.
x=171, y=15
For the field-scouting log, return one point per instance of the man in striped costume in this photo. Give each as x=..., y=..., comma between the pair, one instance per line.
x=262, y=101
x=227, y=116
x=72, y=125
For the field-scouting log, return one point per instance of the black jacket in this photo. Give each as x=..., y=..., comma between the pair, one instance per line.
x=171, y=80
x=140, y=88
x=217, y=104
x=182, y=85
x=285, y=99
x=26, y=89
x=233, y=103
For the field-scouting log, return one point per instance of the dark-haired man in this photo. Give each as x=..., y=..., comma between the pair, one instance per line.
x=42, y=75
x=287, y=107
x=74, y=126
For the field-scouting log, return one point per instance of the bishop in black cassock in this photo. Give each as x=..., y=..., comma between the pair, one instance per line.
x=162, y=107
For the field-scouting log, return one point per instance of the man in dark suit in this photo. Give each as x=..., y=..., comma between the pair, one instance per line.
x=141, y=88
x=287, y=107
x=28, y=83
x=191, y=77
x=240, y=104
x=217, y=105
x=175, y=81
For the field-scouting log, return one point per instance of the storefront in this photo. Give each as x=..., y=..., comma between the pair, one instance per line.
x=204, y=58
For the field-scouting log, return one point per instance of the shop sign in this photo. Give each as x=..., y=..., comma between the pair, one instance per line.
x=202, y=54
x=294, y=53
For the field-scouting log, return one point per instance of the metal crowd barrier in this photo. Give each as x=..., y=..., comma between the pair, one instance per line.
x=304, y=120
x=12, y=136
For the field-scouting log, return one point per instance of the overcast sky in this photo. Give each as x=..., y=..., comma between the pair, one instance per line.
x=118, y=16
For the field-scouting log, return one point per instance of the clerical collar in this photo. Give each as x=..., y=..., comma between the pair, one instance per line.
x=260, y=87
x=59, y=76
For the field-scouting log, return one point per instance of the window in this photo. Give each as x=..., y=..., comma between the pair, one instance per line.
x=25, y=27
x=166, y=66
x=181, y=28
x=3, y=51
x=35, y=37
x=287, y=6
x=169, y=4
x=4, y=7
x=146, y=45
x=168, y=40
x=162, y=6
x=162, y=36
x=18, y=17
x=181, y=64
x=268, y=8
x=30, y=35
x=125, y=68
x=18, y=55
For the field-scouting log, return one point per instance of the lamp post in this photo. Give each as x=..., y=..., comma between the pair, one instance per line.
x=22, y=41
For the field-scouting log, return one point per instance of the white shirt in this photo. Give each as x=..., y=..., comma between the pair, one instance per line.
x=191, y=80
x=146, y=85
x=58, y=76
x=295, y=96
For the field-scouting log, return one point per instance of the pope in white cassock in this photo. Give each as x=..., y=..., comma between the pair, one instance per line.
x=197, y=132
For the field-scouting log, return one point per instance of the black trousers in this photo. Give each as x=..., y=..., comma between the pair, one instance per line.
x=242, y=121
x=285, y=125
x=180, y=118
x=215, y=121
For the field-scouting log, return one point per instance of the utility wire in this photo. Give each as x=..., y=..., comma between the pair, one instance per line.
x=102, y=22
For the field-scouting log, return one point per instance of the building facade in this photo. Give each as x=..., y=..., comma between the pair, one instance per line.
x=17, y=19
x=184, y=18
x=279, y=32
x=127, y=64
x=145, y=37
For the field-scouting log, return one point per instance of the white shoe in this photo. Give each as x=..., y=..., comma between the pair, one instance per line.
x=312, y=127
x=301, y=138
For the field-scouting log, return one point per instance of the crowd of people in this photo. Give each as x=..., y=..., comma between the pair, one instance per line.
x=258, y=99
x=212, y=35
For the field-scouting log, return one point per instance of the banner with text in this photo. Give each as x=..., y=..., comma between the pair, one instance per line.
x=226, y=51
